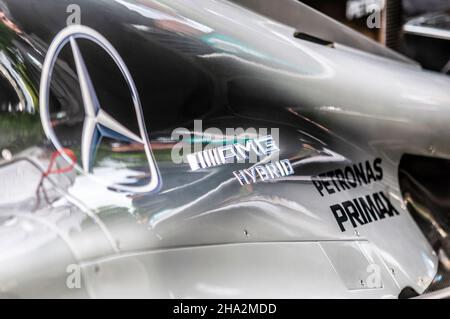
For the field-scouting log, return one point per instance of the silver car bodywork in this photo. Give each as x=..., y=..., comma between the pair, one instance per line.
x=203, y=234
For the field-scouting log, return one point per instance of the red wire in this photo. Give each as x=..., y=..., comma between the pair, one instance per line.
x=66, y=169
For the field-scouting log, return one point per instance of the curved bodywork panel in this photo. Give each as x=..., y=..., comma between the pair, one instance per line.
x=203, y=234
x=309, y=21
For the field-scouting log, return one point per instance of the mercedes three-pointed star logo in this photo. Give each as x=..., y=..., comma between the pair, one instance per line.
x=97, y=122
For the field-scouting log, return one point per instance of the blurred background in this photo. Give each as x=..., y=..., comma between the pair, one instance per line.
x=420, y=29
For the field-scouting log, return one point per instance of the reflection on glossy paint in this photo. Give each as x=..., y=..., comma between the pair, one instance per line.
x=166, y=18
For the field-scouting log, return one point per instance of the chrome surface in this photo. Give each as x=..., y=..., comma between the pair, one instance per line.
x=203, y=234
